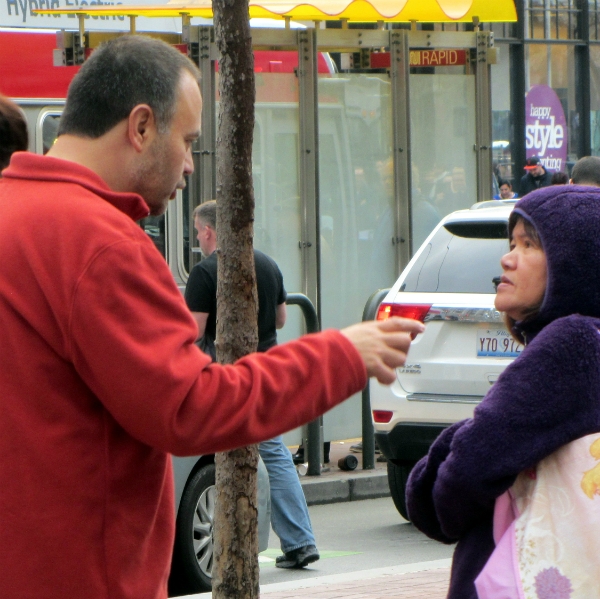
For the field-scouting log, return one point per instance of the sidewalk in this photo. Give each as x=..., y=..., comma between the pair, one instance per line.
x=335, y=485
x=427, y=580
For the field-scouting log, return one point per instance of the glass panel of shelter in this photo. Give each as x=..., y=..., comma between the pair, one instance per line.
x=278, y=207
x=444, y=168
x=357, y=199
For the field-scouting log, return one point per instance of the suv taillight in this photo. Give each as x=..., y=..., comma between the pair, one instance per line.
x=414, y=311
x=382, y=416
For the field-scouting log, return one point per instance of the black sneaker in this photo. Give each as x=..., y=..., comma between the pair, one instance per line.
x=298, y=457
x=359, y=447
x=298, y=558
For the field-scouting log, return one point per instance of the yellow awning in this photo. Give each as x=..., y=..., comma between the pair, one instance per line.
x=427, y=11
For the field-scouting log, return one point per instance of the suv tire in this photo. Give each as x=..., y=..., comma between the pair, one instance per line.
x=397, y=477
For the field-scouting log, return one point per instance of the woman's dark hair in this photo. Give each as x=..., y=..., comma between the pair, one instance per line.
x=502, y=182
x=559, y=178
x=119, y=75
x=532, y=233
x=13, y=131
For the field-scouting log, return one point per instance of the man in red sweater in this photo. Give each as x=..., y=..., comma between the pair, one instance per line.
x=94, y=399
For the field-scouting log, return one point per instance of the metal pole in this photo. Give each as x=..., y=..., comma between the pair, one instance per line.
x=483, y=115
x=308, y=144
x=314, y=440
x=400, y=75
x=207, y=142
x=368, y=430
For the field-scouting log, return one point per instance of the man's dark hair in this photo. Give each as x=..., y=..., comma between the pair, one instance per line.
x=119, y=75
x=559, y=178
x=13, y=131
x=207, y=213
x=586, y=171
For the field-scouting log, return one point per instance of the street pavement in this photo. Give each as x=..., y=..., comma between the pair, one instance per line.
x=424, y=580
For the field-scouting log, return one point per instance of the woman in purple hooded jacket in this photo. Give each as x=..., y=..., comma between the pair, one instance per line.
x=548, y=397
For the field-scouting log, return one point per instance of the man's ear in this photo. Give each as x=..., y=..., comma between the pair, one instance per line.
x=141, y=126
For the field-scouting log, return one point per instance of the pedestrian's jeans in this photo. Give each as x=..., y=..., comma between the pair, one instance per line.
x=289, y=514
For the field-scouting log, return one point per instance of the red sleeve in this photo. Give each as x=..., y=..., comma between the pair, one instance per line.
x=132, y=343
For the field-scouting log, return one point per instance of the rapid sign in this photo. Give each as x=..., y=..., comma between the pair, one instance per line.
x=437, y=58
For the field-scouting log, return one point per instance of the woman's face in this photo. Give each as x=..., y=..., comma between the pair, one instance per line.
x=523, y=281
x=506, y=191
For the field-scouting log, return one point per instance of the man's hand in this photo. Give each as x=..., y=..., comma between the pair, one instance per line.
x=384, y=344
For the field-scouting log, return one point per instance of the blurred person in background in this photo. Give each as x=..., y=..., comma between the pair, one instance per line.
x=535, y=177
x=559, y=178
x=506, y=191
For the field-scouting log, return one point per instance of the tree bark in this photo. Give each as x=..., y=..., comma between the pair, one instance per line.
x=235, y=564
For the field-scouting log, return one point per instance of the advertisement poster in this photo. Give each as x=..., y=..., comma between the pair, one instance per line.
x=546, y=128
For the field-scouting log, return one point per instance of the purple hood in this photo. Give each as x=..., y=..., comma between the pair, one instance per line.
x=567, y=219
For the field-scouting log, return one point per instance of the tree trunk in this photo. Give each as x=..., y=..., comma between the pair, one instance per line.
x=235, y=564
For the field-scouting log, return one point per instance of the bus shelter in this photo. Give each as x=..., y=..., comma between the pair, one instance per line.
x=364, y=138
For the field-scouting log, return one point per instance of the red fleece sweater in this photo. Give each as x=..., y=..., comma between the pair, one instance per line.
x=101, y=380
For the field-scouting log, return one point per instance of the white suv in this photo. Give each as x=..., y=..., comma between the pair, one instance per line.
x=450, y=285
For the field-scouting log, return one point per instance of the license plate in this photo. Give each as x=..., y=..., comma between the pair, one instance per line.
x=497, y=343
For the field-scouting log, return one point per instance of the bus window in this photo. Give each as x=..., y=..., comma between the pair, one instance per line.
x=154, y=226
x=189, y=233
x=49, y=131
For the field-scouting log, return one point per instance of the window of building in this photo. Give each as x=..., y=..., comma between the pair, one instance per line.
x=595, y=99
x=594, y=19
x=552, y=19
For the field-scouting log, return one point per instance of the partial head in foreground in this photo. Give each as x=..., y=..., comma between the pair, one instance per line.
x=586, y=171
x=13, y=131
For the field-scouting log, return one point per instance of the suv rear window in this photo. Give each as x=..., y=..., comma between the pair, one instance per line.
x=462, y=257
